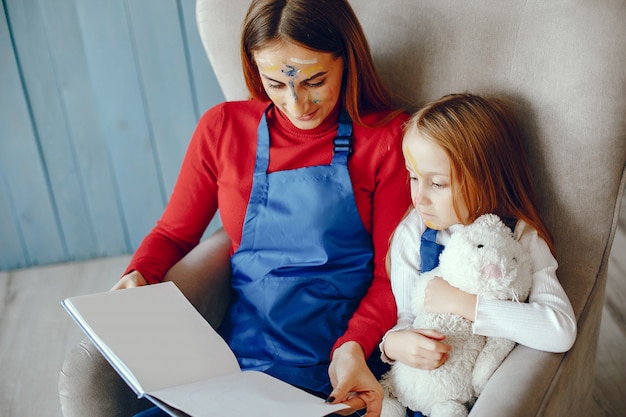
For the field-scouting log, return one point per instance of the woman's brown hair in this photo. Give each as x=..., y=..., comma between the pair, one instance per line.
x=488, y=164
x=328, y=26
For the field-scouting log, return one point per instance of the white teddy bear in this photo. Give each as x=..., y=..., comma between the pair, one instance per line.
x=484, y=259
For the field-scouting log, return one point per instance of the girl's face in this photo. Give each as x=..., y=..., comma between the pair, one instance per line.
x=429, y=171
x=304, y=84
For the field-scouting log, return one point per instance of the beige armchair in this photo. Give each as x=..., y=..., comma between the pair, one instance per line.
x=562, y=63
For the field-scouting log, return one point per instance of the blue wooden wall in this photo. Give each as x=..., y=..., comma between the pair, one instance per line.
x=98, y=100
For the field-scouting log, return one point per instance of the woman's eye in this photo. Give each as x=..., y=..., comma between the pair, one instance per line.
x=316, y=84
x=276, y=86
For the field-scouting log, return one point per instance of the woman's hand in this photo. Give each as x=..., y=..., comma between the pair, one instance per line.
x=353, y=382
x=419, y=348
x=441, y=297
x=131, y=280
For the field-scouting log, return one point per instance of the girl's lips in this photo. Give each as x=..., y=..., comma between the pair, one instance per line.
x=426, y=215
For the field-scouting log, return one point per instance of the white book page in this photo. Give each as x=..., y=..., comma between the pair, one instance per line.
x=157, y=334
x=117, y=364
x=244, y=393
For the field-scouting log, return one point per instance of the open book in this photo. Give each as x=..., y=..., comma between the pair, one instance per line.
x=165, y=350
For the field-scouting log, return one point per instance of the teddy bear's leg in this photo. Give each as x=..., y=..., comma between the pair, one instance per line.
x=448, y=409
x=392, y=407
x=495, y=351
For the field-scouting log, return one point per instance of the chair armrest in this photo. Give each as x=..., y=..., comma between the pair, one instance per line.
x=519, y=385
x=203, y=276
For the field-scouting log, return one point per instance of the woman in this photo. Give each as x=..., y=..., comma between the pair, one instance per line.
x=306, y=178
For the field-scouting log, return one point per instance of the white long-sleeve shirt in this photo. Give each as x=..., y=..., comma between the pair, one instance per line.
x=546, y=322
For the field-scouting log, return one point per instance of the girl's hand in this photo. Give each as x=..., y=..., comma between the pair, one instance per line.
x=419, y=348
x=441, y=297
x=131, y=280
x=353, y=382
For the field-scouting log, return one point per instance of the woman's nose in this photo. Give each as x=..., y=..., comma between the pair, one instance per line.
x=295, y=104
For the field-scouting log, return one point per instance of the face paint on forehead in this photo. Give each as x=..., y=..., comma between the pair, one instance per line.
x=304, y=61
x=292, y=72
x=410, y=158
x=266, y=65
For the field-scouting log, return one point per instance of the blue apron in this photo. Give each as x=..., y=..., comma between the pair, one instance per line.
x=304, y=263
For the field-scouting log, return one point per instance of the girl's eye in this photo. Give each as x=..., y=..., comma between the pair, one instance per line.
x=276, y=86
x=439, y=186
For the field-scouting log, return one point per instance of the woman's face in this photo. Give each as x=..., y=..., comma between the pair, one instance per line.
x=304, y=84
x=429, y=170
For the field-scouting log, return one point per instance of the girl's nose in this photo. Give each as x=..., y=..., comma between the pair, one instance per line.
x=421, y=196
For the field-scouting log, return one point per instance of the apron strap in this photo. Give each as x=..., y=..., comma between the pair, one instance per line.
x=342, y=144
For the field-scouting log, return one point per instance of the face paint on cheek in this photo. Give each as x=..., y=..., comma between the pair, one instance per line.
x=319, y=98
x=432, y=225
x=315, y=99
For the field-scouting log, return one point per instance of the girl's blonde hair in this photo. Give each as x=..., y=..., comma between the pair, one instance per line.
x=488, y=164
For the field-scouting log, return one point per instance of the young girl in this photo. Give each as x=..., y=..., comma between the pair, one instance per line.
x=465, y=158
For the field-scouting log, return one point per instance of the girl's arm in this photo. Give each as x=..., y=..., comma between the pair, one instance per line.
x=546, y=322
x=420, y=348
x=405, y=266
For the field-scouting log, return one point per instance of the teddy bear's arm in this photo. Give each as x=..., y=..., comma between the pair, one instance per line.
x=496, y=349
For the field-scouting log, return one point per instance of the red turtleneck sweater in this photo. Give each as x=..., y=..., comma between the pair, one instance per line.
x=217, y=172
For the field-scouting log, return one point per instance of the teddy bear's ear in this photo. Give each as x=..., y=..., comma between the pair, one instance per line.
x=489, y=219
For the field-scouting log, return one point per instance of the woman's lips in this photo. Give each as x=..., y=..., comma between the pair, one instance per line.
x=307, y=117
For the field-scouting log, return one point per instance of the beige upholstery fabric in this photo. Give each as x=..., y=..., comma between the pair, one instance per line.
x=562, y=65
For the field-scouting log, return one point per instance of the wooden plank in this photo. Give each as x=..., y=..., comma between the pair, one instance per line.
x=124, y=122
x=34, y=237
x=33, y=48
x=167, y=59
x=161, y=58
x=13, y=119
x=94, y=176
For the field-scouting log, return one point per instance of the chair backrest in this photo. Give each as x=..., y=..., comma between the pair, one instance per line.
x=563, y=63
